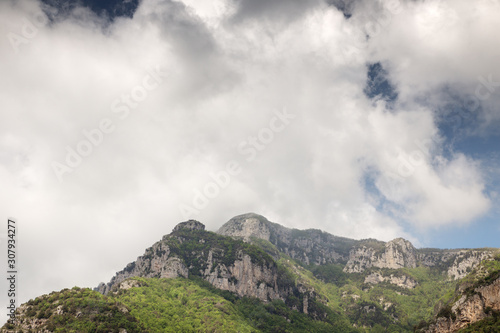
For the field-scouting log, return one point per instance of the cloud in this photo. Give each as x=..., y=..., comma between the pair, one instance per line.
x=283, y=11
x=345, y=6
x=431, y=45
x=184, y=86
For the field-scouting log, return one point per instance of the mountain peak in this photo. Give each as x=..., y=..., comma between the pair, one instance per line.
x=404, y=243
x=246, y=226
x=293, y=275
x=191, y=225
x=247, y=216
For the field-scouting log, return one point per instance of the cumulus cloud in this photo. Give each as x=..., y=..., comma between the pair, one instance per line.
x=452, y=46
x=224, y=109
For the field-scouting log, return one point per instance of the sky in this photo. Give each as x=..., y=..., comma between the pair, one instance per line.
x=120, y=119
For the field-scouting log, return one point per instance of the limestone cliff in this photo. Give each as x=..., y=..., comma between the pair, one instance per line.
x=469, y=309
x=354, y=284
x=309, y=246
x=402, y=280
x=225, y=263
x=397, y=253
x=477, y=298
x=465, y=261
x=250, y=225
x=317, y=247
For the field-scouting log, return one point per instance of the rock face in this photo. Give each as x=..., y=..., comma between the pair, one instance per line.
x=225, y=263
x=156, y=262
x=309, y=246
x=244, y=278
x=235, y=264
x=190, y=225
x=397, y=253
x=402, y=281
x=161, y=265
x=465, y=261
x=247, y=226
x=470, y=308
x=317, y=247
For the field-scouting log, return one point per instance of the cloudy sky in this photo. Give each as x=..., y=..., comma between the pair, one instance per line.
x=120, y=119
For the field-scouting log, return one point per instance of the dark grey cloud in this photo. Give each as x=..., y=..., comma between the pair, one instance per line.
x=275, y=11
x=345, y=6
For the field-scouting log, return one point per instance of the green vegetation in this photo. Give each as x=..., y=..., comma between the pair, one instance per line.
x=81, y=310
x=373, y=243
x=383, y=305
x=485, y=273
x=332, y=273
x=277, y=316
x=175, y=305
x=401, y=307
x=268, y=247
x=180, y=305
x=312, y=298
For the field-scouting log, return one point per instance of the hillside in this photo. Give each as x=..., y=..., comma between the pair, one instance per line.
x=257, y=276
x=475, y=304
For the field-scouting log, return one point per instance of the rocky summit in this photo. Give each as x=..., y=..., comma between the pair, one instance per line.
x=314, y=246
x=191, y=251
x=253, y=275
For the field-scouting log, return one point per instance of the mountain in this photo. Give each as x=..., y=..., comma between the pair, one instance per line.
x=225, y=263
x=314, y=246
x=476, y=301
x=253, y=275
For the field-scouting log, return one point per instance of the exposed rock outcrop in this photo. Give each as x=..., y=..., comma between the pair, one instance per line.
x=247, y=226
x=309, y=246
x=190, y=225
x=244, y=278
x=465, y=261
x=477, y=297
x=156, y=262
x=402, y=281
x=397, y=253
x=236, y=264
x=225, y=263
x=435, y=257
x=470, y=308
x=317, y=247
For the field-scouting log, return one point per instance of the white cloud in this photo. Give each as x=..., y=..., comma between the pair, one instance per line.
x=430, y=45
x=225, y=80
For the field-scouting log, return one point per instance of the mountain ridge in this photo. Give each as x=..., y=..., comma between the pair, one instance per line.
x=320, y=247
x=275, y=279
